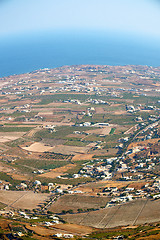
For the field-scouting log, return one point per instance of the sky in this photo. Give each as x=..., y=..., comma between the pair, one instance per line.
x=141, y=17
x=50, y=33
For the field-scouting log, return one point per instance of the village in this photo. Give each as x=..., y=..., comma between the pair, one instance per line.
x=78, y=141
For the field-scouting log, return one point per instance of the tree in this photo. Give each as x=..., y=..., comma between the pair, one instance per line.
x=80, y=210
x=70, y=211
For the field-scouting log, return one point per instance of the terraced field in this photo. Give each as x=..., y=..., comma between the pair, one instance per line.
x=134, y=213
x=75, y=202
x=22, y=199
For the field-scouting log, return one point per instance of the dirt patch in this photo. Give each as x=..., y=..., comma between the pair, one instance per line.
x=61, y=228
x=80, y=157
x=100, y=131
x=100, y=110
x=10, y=136
x=120, y=112
x=75, y=229
x=38, y=147
x=32, y=132
x=44, y=111
x=58, y=171
x=22, y=200
x=102, y=152
x=41, y=230
x=19, y=177
x=67, y=150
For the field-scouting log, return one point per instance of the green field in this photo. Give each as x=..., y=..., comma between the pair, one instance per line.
x=112, y=131
x=15, y=129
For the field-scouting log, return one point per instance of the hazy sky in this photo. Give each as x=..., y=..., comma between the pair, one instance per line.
x=133, y=16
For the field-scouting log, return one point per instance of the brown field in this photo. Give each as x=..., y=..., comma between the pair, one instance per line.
x=42, y=110
x=95, y=187
x=61, y=228
x=5, y=169
x=137, y=185
x=67, y=150
x=2, y=205
x=4, y=224
x=75, y=229
x=41, y=230
x=3, y=147
x=100, y=110
x=22, y=199
x=10, y=136
x=58, y=171
x=67, y=118
x=80, y=157
x=143, y=143
x=120, y=112
x=131, y=130
x=134, y=213
x=151, y=237
x=13, y=172
x=76, y=202
x=32, y=132
x=120, y=128
x=38, y=147
x=51, y=118
x=19, y=176
x=102, y=152
x=100, y=131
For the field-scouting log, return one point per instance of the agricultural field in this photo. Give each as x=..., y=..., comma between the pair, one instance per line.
x=80, y=145
x=97, y=187
x=137, y=212
x=2, y=205
x=10, y=136
x=57, y=171
x=38, y=147
x=78, y=203
x=70, y=150
x=22, y=199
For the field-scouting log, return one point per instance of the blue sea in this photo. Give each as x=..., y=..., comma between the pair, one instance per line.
x=28, y=52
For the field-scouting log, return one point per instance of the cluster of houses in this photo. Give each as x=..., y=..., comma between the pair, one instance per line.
x=79, y=79
x=89, y=124
x=4, y=185
x=97, y=101
x=95, y=171
x=64, y=235
x=123, y=195
x=132, y=109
